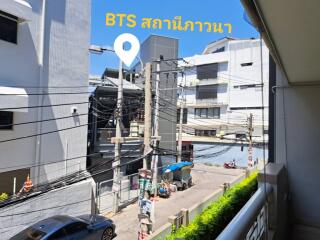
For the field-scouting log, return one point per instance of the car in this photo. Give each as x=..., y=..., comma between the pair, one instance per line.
x=63, y=227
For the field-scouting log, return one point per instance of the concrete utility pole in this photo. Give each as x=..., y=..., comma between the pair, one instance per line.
x=147, y=114
x=155, y=157
x=117, y=144
x=182, y=103
x=250, y=129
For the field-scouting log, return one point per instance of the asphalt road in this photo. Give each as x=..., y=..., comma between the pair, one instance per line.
x=206, y=180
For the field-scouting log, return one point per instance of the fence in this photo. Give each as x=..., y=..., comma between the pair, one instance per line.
x=128, y=192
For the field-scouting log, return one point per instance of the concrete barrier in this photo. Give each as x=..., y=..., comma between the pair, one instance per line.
x=71, y=200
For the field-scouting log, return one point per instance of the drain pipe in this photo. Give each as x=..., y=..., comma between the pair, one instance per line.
x=41, y=91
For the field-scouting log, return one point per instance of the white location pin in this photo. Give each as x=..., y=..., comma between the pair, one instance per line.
x=127, y=56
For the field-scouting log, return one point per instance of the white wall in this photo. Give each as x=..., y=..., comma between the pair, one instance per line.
x=67, y=38
x=296, y=145
x=243, y=52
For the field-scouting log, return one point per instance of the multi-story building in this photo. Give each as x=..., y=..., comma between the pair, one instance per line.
x=44, y=51
x=153, y=49
x=222, y=87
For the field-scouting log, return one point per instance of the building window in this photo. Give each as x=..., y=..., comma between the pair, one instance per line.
x=6, y=120
x=206, y=133
x=184, y=117
x=206, y=92
x=207, y=71
x=241, y=136
x=8, y=27
x=219, y=50
x=246, y=64
x=207, y=113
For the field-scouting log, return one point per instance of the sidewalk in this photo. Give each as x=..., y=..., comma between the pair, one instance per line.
x=206, y=179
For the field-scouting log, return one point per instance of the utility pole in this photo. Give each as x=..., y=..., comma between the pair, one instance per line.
x=147, y=114
x=145, y=175
x=250, y=130
x=155, y=157
x=182, y=103
x=117, y=144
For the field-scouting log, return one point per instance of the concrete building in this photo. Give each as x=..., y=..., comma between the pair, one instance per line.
x=44, y=50
x=223, y=87
x=154, y=48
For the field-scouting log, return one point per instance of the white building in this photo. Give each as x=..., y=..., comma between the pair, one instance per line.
x=44, y=50
x=223, y=86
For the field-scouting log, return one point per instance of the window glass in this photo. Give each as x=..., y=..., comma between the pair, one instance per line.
x=75, y=227
x=197, y=112
x=206, y=91
x=216, y=112
x=29, y=234
x=6, y=120
x=8, y=27
x=185, y=116
x=246, y=64
x=60, y=234
x=210, y=113
x=203, y=113
x=219, y=50
x=207, y=71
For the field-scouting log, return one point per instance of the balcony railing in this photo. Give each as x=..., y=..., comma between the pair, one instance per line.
x=264, y=216
x=251, y=222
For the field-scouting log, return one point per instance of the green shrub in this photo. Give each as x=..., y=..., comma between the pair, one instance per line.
x=3, y=197
x=210, y=223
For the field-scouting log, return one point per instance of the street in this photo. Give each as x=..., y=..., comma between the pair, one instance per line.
x=206, y=180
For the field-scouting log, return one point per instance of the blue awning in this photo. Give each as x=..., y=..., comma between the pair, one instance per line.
x=176, y=167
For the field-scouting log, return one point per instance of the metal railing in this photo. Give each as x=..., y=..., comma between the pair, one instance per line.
x=251, y=221
x=129, y=188
x=128, y=191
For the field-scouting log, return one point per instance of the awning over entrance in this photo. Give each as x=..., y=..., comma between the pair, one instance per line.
x=13, y=99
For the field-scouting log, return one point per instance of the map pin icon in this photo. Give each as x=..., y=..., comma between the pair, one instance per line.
x=126, y=56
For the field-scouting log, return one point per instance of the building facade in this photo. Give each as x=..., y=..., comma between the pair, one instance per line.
x=222, y=87
x=153, y=49
x=44, y=51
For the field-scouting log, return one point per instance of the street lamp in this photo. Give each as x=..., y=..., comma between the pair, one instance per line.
x=95, y=49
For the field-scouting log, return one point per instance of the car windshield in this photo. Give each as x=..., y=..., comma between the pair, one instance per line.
x=29, y=234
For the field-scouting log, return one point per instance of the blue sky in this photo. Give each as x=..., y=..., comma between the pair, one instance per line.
x=190, y=43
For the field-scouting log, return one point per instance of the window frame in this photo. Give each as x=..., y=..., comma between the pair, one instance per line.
x=216, y=111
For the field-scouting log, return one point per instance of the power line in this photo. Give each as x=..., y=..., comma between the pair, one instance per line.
x=84, y=178
x=42, y=94
x=54, y=131
x=43, y=106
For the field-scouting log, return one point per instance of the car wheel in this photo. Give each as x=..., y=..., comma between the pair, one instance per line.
x=190, y=183
x=184, y=186
x=107, y=234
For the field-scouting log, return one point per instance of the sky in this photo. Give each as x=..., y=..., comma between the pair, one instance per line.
x=190, y=43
